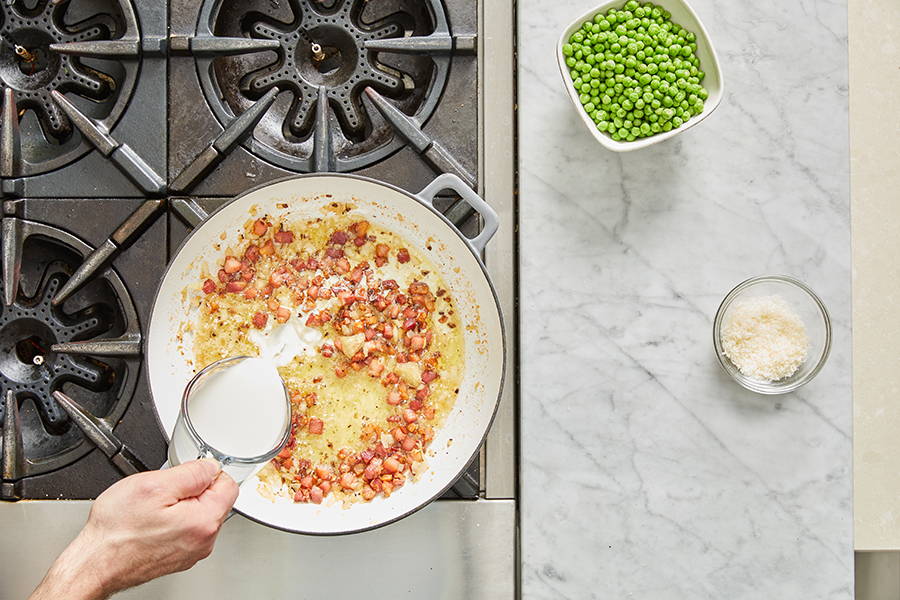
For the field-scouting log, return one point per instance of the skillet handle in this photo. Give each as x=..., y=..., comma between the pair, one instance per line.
x=488, y=215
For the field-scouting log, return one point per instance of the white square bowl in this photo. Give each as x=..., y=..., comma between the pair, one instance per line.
x=683, y=15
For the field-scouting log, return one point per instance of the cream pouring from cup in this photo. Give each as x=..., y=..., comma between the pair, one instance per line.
x=235, y=410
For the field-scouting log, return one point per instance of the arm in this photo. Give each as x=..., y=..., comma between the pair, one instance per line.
x=143, y=527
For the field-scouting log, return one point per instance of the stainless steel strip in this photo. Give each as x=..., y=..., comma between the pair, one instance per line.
x=460, y=549
x=497, y=95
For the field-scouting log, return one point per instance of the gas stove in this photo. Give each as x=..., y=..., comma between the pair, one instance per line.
x=124, y=123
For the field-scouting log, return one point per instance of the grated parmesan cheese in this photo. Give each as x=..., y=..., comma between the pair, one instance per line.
x=764, y=338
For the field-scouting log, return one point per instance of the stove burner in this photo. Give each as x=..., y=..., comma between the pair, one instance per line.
x=27, y=330
x=324, y=51
x=31, y=370
x=327, y=54
x=33, y=65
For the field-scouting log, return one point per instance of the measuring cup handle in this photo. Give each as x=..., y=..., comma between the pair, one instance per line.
x=205, y=453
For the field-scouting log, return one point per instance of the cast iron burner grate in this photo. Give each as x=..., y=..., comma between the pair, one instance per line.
x=70, y=47
x=30, y=368
x=37, y=338
x=321, y=57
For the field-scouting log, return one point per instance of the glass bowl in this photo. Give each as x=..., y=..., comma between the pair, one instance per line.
x=810, y=309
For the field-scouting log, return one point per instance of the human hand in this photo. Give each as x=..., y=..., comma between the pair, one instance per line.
x=144, y=526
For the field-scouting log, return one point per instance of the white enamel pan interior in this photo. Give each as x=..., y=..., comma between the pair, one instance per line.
x=301, y=198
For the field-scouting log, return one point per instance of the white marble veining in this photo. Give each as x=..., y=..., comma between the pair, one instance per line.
x=646, y=472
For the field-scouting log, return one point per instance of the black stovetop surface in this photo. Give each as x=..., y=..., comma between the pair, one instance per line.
x=171, y=141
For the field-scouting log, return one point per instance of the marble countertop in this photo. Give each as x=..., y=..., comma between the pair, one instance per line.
x=646, y=472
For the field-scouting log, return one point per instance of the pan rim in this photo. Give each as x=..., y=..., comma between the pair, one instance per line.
x=487, y=278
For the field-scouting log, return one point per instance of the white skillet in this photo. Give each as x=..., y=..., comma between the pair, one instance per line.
x=415, y=219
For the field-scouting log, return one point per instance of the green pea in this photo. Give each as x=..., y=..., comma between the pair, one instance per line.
x=677, y=122
x=636, y=71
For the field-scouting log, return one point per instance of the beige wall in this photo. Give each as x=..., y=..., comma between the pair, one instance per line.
x=874, y=27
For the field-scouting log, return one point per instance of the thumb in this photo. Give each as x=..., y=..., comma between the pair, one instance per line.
x=189, y=479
